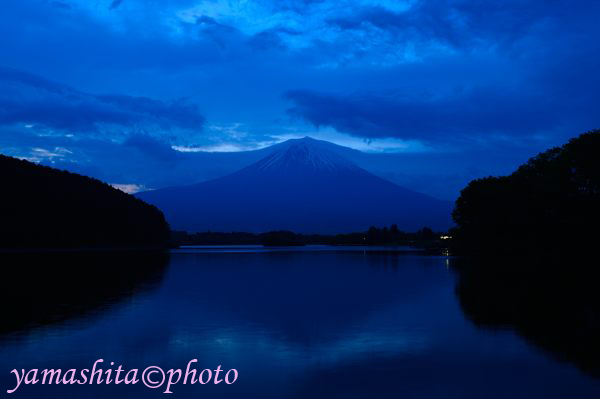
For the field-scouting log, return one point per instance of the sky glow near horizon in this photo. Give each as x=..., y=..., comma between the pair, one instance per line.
x=410, y=77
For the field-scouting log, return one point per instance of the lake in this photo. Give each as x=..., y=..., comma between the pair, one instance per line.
x=306, y=322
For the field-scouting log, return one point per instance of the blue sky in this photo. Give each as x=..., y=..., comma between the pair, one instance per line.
x=83, y=79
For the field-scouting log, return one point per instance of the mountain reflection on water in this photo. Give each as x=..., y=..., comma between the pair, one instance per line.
x=295, y=322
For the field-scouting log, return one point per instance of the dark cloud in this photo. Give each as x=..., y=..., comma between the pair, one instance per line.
x=179, y=113
x=115, y=4
x=272, y=38
x=157, y=149
x=436, y=118
x=30, y=99
x=416, y=24
x=8, y=75
x=78, y=42
x=60, y=4
x=465, y=24
x=266, y=40
x=207, y=21
x=527, y=70
x=468, y=114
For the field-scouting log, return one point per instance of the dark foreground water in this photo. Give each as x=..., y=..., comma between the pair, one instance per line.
x=295, y=323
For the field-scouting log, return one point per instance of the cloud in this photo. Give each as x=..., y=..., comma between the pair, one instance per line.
x=29, y=99
x=129, y=188
x=115, y=4
x=152, y=147
x=464, y=24
x=60, y=4
x=466, y=72
x=43, y=154
x=479, y=111
x=179, y=113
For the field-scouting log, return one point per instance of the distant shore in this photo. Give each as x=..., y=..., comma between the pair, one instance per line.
x=424, y=238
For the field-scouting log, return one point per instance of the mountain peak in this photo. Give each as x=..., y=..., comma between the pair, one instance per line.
x=305, y=154
x=308, y=139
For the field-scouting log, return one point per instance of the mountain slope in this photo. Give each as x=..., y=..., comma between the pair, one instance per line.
x=304, y=185
x=44, y=207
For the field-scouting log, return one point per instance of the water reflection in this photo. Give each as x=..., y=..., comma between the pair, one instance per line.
x=302, y=297
x=296, y=324
x=553, y=303
x=42, y=289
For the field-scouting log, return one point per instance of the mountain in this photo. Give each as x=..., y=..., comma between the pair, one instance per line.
x=44, y=207
x=304, y=185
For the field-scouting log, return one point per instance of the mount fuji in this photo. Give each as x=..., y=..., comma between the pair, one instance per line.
x=306, y=186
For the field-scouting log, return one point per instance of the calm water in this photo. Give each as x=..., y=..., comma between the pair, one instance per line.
x=295, y=323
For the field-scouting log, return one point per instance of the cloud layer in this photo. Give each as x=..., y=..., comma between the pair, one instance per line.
x=434, y=76
x=27, y=99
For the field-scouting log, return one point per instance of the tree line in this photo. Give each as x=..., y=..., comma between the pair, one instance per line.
x=373, y=236
x=43, y=207
x=549, y=205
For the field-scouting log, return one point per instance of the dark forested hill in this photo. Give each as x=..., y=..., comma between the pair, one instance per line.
x=550, y=204
x=44, y=207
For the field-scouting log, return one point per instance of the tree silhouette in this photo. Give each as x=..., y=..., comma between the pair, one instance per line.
x=44, y=207
x=550, y=204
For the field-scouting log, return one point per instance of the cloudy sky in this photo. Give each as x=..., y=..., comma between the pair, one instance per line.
x=483, y=80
